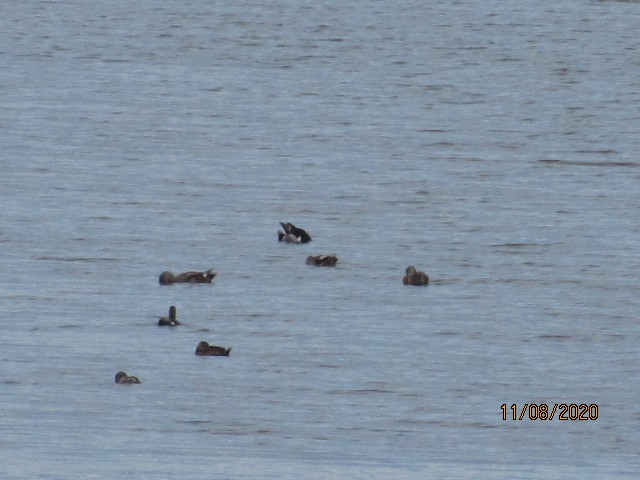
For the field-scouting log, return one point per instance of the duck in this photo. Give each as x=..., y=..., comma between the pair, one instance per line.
x=414, y=277
x=167, y=278
x=171, y=320
x=204, y=349
x=322, y=260
x=122, y=377
x=292, y=234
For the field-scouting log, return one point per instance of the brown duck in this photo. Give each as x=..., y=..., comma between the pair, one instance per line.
x=171, y=320
x=413, y=277
x=204, y=349
x=167, y=278
x=322, y=260
x=122, y=377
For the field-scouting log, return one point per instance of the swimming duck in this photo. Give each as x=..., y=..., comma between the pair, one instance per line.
x=322, y=260
x=171, y=320
x=204, y=349
x=122, y=377
x=167, y=278
x=413, y=277
x=292, y=234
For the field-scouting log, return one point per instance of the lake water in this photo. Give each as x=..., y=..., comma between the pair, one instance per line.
x=492, y=144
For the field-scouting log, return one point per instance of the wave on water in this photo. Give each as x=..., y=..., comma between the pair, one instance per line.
x=587, y=163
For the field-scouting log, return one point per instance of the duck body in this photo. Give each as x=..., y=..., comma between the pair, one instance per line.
x=205, y=350
x=288, y=238
x=322, y=260
x=123, y=378
x=168, y=278
x=414, y=277
x=171, y=320
x=293, y=234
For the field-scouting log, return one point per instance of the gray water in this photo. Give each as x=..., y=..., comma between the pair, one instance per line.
x=492, y=144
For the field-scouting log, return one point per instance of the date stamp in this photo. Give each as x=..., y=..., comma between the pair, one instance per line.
x=542, y=411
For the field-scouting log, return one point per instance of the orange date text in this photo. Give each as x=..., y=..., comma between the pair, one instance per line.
x=543, y=411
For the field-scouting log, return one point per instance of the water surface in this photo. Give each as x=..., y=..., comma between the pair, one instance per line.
x=491, y=144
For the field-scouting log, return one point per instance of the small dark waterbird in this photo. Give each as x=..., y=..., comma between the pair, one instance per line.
x=205, y=350
x=122, y=377
x=171, y=320
x=167, y=278
x=322, y=260
x=414, y=277
x=293, y=234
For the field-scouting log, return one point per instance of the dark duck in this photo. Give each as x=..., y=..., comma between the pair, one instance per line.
x=123, y=378
x=322, y=260
x=205, y=350
x=171, y=320
x=414, y=277
x=292, y=234
x=167, y=278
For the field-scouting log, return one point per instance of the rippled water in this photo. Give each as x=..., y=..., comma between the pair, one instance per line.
x=492, y=144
